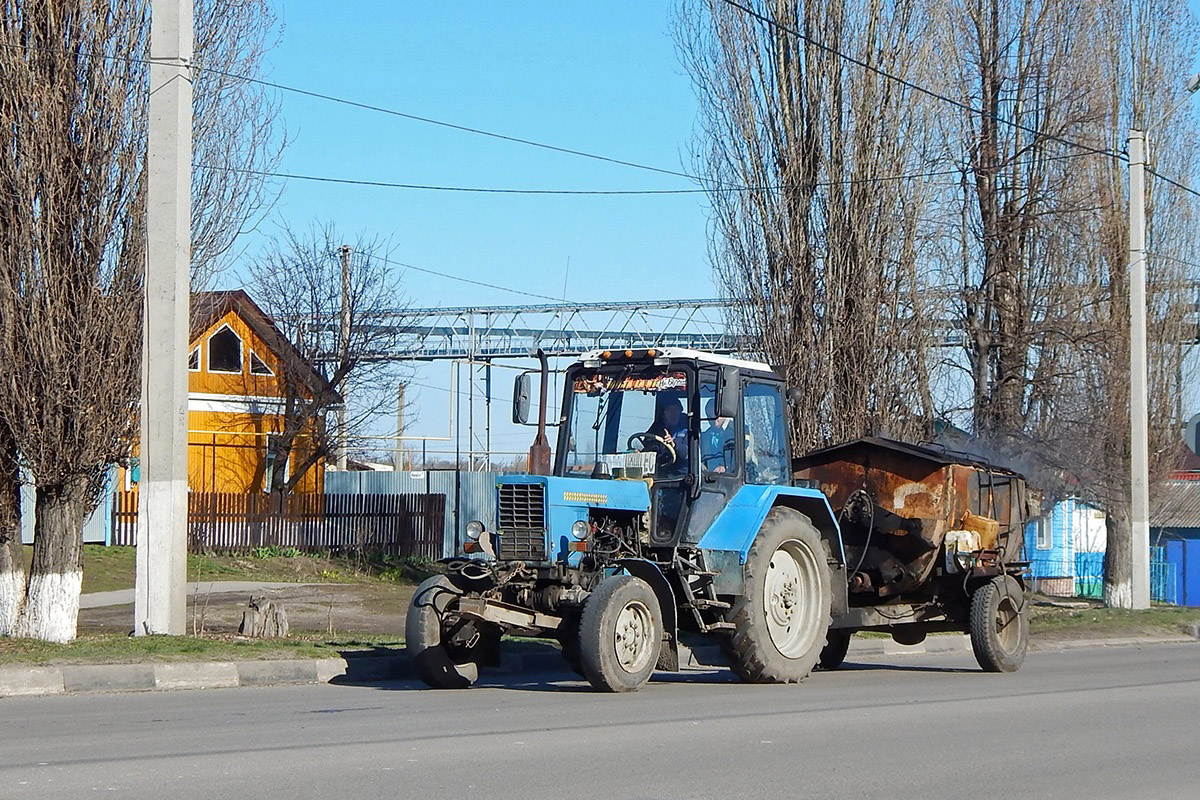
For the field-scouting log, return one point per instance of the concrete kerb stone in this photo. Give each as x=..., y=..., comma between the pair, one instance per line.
x=196, y=675
x=108, y=678
x=30, y=681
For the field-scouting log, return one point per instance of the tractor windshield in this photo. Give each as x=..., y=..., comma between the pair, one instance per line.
x=633, y=419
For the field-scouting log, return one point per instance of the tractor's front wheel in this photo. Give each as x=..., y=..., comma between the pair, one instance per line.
x=620, y=634
x=445, y=649
x=781, y=619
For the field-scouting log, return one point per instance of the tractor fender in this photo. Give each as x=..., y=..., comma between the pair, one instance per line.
x=650, y=572
x=727, y=541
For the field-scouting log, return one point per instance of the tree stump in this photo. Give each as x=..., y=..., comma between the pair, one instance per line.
x=263, y=619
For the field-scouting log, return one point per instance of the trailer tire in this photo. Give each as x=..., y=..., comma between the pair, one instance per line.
x=620, y=634
x=568, y=639
x=837, y=644
x=438, y=664
x=782, y=618
x=999, y=624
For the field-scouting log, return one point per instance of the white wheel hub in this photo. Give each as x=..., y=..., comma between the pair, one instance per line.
x=632, y=640
x=790, y=592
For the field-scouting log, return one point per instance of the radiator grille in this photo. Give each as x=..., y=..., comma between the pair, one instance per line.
x=522, y=521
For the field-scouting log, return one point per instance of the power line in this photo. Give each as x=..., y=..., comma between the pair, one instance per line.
x=471, y=281
x=916, y=87
x=508, y=190
x=1172, y=181
x=438, y=188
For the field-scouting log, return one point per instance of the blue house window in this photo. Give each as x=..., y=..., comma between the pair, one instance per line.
x=1045, y=533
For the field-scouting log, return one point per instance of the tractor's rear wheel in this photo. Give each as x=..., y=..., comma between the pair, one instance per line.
x=445, y=649
x=620, y=634
x=1000, y=624
x=782, y=618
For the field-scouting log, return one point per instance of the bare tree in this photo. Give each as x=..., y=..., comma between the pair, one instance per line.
x=300, y=282
x=73, y=90
x=236, y=135
x=817, y=231
x=73, y=251
x=1043, y=240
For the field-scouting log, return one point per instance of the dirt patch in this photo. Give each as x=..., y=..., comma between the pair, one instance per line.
x=376, y=608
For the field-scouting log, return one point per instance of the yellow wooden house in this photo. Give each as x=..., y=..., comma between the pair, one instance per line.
x=236, y=397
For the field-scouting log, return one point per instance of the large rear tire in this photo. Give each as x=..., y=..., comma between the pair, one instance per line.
x=434, y=637
x=620, y=634
x=782, y=618
x=1000, y=625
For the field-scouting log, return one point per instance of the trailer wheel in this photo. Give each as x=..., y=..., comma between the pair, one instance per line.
x=568, y=639
x=434, y=637
x=782, y=618
x=837, y=644
x=999, y=624
x=620, y=634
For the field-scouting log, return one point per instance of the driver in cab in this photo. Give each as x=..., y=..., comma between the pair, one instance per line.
x=669, y=436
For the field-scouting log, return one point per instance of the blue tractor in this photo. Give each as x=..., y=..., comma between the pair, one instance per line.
x=672, y=505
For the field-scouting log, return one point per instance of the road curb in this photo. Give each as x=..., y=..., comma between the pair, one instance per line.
x=366, y=669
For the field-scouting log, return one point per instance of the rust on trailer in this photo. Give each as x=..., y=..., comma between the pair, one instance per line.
x=931, y=491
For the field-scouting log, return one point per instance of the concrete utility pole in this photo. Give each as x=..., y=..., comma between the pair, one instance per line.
x=160, y=597
x=343, y=349
x=399, y=457
x=1139, y=424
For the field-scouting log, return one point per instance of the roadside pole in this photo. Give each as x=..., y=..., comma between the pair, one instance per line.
x=343, y=351
x=1139, y=426
x=161, y=566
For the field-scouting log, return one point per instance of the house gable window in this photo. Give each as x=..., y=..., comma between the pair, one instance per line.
x=194, y=359
x=224, y=351
x=257, y=366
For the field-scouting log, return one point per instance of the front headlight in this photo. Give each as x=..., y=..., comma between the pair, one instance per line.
x=475, y=529
x=580, y=529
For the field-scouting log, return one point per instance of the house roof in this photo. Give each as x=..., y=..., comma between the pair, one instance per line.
x=208, y=307
x=1176, y=504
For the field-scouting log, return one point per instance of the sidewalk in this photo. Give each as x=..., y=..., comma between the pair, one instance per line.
x=521, y=659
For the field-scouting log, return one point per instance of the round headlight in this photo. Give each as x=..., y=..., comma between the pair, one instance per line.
x=580, y=529
x=475, y=529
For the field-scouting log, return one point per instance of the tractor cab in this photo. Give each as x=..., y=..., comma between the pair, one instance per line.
x=694, y=427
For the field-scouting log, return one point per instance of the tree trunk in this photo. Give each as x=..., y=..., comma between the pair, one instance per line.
x=12, y=567
x=1118, y=571
x=51, y=611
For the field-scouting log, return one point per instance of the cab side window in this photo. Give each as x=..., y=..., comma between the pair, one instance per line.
x=766, y=434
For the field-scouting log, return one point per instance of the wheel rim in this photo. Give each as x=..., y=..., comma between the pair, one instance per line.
x=792, y=618
x=1008, y=625
x=632, y=641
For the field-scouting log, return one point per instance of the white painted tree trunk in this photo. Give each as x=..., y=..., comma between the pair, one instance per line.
x=1118, y=569
x=51, y=609
x=12, y=593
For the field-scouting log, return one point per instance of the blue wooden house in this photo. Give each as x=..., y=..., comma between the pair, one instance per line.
x=1065, y=549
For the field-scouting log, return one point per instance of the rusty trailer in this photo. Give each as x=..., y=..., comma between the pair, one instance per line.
x=923, y=529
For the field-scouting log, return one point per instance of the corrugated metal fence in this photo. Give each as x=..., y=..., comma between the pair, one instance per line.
x=469, y=495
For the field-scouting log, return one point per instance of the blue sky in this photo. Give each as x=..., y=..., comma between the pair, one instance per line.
x=597, y=77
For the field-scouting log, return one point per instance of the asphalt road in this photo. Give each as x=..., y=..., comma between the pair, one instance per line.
x=1099, y=723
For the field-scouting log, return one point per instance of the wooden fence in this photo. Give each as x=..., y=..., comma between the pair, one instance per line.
x=398, y=524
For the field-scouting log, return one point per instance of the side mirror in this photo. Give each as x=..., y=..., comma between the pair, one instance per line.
x=793, y=395
x=728, y=384
x=520, y=414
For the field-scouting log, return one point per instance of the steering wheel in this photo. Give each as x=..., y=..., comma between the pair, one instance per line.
x=665, y=448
